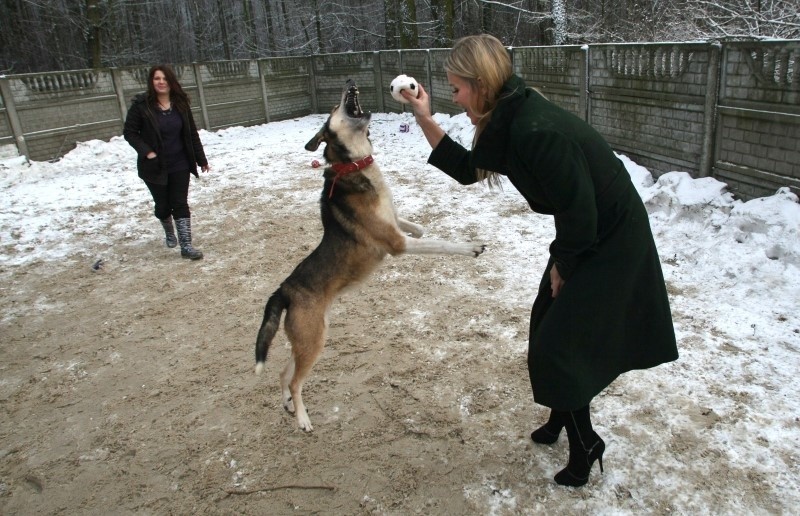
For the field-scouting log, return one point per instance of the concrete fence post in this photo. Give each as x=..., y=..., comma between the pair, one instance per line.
x=198, y=79
x=262, y=76
x=312, y=84
x=428, y=74
x=713, y=85
x=377, y=73
x=13, y=118
x=583, y=88
x=116, y=79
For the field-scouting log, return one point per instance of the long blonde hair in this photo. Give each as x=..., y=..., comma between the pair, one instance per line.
x=484, y=63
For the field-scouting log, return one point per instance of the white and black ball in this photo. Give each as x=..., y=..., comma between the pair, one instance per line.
x=403, y=82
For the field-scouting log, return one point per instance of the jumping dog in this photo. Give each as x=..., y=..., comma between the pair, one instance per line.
x=360, y=227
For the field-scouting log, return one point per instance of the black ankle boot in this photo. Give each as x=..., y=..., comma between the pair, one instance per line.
x=548, y=433
x=184, y=227
x=169, y=231
x=585, y=447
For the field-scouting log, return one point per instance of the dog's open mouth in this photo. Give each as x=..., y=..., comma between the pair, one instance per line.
x=351, y=105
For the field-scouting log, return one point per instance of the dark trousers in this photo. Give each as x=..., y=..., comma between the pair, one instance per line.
x=173, y=197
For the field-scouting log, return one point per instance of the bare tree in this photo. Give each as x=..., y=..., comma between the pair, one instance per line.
x=409, y=34
x=745, y=18
x=558, y=11
x=442, y=15
x=93, y=16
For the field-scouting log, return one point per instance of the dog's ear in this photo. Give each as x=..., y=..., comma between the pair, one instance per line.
x=313, y=143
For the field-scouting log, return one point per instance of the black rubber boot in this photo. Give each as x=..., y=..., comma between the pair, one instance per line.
x=169, y=231
x=184, y=227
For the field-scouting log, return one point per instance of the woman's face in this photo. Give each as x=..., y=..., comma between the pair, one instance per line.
x=160, y=82
x=464, y=95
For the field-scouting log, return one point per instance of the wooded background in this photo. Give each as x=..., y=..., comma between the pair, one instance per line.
x=54, y=35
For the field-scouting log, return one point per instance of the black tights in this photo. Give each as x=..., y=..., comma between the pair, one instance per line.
x=171, y=198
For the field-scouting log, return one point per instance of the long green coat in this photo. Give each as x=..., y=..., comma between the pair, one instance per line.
x=612, y=314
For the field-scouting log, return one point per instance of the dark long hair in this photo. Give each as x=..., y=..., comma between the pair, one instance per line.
x=177, y=96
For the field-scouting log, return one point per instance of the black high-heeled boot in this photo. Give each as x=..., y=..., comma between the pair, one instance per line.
x=548, y=433
x=585, y=447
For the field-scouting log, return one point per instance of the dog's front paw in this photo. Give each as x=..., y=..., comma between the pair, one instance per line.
x=288, y=405
x=478, y=249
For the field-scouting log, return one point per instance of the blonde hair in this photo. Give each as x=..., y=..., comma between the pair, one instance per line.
x=483, y=62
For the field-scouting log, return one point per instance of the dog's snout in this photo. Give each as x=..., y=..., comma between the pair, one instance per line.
x=350, y=87
x=350, y=100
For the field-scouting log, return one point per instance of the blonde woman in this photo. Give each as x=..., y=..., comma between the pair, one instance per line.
x=602, y=306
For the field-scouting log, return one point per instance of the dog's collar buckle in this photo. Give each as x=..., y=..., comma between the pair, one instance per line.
x=342, y=169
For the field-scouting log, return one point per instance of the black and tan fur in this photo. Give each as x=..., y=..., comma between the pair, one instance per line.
x=360, y=227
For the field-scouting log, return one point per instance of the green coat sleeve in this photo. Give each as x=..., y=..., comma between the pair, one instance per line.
x=564, y=185
x=454, y=160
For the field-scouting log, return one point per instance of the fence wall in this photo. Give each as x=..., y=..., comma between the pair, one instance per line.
x=559, y=73
x=652, y=102
x=757, y=141
x=728, y=110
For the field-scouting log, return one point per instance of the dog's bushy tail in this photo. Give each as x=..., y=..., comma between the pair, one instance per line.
x=276, y=304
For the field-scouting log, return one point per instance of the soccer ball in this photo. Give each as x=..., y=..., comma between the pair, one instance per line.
x=400, y=83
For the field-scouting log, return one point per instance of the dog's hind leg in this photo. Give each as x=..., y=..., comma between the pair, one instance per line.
x=307, y=332
x=286, y=377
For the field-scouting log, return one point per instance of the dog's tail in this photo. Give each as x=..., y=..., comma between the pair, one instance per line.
x=276, y=304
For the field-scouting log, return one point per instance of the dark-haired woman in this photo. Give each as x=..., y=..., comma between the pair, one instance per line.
x=161, y=128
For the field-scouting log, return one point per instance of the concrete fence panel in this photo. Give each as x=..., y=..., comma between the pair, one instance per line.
x=232, y=93
x=288, y=87
x=758, y=136
x=556, y=72
x=59, y=108
x=648, y=100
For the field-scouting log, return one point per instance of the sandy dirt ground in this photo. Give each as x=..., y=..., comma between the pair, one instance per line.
x=131, y=389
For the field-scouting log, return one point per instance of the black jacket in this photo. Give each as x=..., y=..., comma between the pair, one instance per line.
x=141, y=131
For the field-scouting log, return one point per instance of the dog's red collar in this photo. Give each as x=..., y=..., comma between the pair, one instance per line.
x=342, y=169
x=354, y=166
